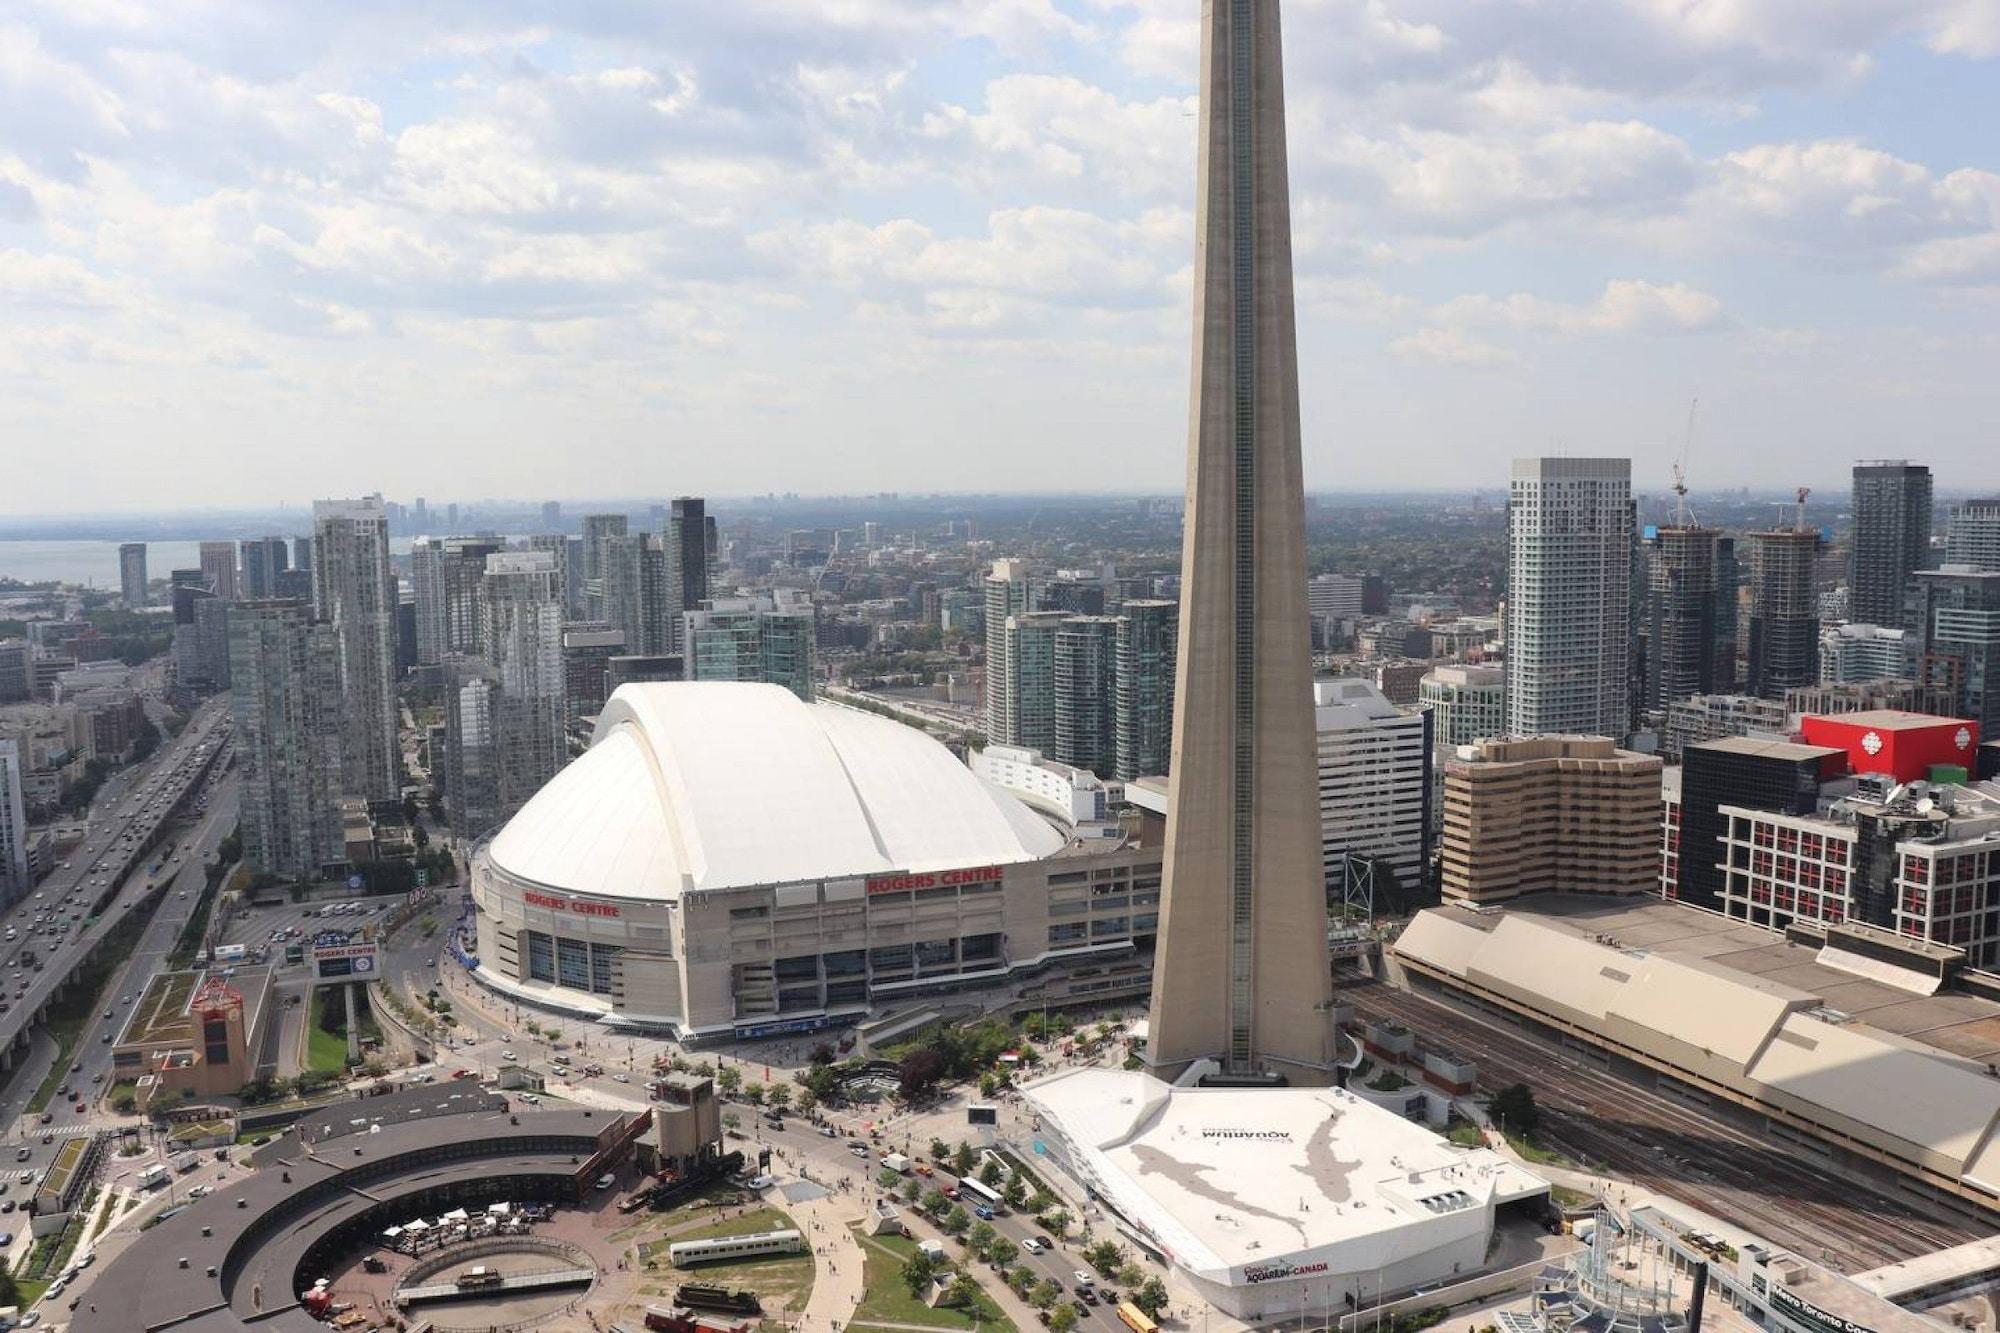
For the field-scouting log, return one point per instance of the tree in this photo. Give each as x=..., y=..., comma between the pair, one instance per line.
x=981, y=1238
x=912, y=1191
x=919, y=1270
x=938, y=1150
x=963, y=1292
x=1056, y=1220
x=935, y=1203
x=754, y=1093
x=1015, y=1192
x=961, y=1160
x=888, y=1179
x=1514, y=1108
x=1003, y=1251
x=1045, y=1294
x=778, y=1095
x=956, y=1220
x=1021, y=1280
x=989, y=1172
x=804, y=1101
x=1151, y=1297
x=918, y=1075
x=1129, y=1275
x=729, y=1079
x=822, y=1055
x=1105, y=1256
x=1063, y=1318
x=822, y=1081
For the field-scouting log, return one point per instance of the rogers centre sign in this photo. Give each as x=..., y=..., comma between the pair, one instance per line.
x=935, y=879
x=554, y=904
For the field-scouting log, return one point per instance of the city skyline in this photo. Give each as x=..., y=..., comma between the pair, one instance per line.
x=449, y=245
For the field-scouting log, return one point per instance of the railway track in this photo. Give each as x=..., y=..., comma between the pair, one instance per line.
x=1677, y=1150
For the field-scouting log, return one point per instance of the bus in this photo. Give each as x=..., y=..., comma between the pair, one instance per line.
x=975, y=1192
x=1136, y=1319
x=687, y=1253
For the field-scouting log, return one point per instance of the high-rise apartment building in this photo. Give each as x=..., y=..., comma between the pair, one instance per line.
x=1783, y=651
x=1148, y=630
x=285, y=698
x=445, y=574
x=1954, y=617
x=621, y=586
x=1007, y=593
x=218, y=566
x=1029, y=678
x=472, y=746
x=1374, y=781
x=264, y=560
x=132, y=574
x=522, y=624
x=1334, y=596
x=690, y=541
x=1892, y=537
x=597, y=528
x=1240, y=973
x=1569, y=597
x=1467, y=703
x=1973, y=538
x=768, y=639
x=1689, y=613
x=13, y=825
x=1550, y=814
x=1086, y=704
x=355, y=588
x=551, y=516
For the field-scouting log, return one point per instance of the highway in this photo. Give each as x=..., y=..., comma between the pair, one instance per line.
x=52, y=930
x=1676, y=1149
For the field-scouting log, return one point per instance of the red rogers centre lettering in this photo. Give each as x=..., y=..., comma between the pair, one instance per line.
x=565, y=905
x=935, y=879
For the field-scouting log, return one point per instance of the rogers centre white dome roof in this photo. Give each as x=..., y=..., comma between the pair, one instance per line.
x=712, y=785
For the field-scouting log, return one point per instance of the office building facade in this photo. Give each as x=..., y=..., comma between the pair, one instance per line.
x=355, y=588
x=1374, y=781
x=1892, y=537
x=218, y=567
x=264, y=560
x=1467, y=703
x=1745, y=772
x=690, y=541
x=1569, y=597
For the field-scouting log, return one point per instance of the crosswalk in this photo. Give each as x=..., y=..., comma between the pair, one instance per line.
x=76, y=1131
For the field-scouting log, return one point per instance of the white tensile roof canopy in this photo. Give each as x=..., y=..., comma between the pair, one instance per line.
x=712, y=785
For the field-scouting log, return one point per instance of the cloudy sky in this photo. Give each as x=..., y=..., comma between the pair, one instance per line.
x=252, y=253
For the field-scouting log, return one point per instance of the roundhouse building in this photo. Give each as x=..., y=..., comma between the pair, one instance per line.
x=728, y=860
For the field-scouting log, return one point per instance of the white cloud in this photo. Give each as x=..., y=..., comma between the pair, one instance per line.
x=1452, y=347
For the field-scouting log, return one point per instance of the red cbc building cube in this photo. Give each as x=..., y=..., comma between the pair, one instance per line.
x=1906, y=746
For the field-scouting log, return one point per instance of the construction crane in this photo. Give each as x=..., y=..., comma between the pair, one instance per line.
x=1798, y=508
x=1683, y=517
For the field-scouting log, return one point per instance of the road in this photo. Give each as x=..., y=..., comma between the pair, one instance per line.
x=1676, y=1149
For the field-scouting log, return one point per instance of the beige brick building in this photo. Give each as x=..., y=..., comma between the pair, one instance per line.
x=1571, y=814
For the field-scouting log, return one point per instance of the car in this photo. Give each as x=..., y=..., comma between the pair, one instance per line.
x=1084, y=1277
x=7, y=1205
x=1082, y=1310
x=621, y=1078
x=829, y=1132
x=98, y=1077
x=104, y=1040
x=23, y=1154
x=923, y=1168
x=1090, y=1295
x=109, y=1014
x=858, y=1149
x=531, y=1099
x=606, y=1181
x=982, y=1212
x=48, y=1117
x=506, y=1055
x=76, y=1067
x=1034, y=1245
x=464, y=1073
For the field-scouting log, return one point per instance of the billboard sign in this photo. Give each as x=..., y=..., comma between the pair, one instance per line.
x=346, y=962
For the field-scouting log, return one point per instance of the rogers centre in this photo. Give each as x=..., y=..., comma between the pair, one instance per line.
x=729, y=861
